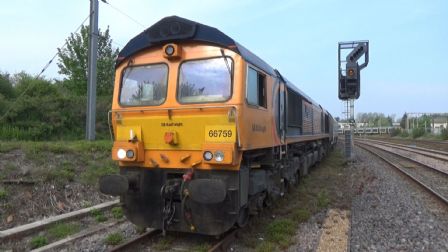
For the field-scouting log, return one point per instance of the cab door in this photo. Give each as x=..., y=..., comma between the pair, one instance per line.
x=282, y=112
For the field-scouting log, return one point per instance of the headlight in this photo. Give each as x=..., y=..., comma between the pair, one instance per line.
x=121, y=154
x=219, y=156
x=130, y=154
x=208, y=155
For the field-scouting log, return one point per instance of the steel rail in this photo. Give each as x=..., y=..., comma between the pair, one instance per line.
x=20, y=231
x=224, y=243
x=391, y=163
x=57, y=245
x=445, y=173
x=414, y=149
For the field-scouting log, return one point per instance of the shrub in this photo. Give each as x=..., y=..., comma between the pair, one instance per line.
x=444, y=134
x=404, y=134
x=395, y=132
x=417, y=132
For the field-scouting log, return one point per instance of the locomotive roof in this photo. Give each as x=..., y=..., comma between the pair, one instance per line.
x=177, y=29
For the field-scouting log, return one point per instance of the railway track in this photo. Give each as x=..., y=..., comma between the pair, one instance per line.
x=431, y=144
x=220, y=246
x=437, y=154
x=18, y=234
x=432, y=179
x=434, y=159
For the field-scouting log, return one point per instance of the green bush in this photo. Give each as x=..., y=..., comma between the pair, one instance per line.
x=418, y=132
x=404, y=134
x=444, y=134
x=395, y=132
x=46, y=111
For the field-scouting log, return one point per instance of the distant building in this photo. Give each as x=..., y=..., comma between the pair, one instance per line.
x=439, y=123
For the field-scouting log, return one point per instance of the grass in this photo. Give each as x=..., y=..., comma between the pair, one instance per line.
x=114, y=239
x=38, y=241
x=266, y=246
x=57, y=147
x=281, y=231
x=164, y=243
x=117, y=212
x=322, y=199
x=63, y=162
x=95, y=170
x=63, y=230
x=301, y=215
x=98, y=215
x=60, y=175
x=3, y=193
x=204, y=247
x=316, y=192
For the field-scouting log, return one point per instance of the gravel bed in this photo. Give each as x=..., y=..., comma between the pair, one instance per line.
x=309, y=232
x=391, y=213
x=97, y=242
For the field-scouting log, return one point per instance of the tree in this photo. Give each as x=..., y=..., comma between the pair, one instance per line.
x=6, y=89
x=403, y=121
x=73, y=62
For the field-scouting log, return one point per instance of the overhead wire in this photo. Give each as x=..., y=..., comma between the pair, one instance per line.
x=123, y=13
x=42, y=71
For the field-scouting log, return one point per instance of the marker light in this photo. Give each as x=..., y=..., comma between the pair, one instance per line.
x=219, y=156
x=351, y=72
x=130, y=154
x=121, y=154
x=208, y=155
x=169, y=50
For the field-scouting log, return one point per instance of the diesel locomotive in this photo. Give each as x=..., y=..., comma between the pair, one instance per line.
x=205, y=132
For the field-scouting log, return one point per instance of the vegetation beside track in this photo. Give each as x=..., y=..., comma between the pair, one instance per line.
x=327, y=186
x=48, y=178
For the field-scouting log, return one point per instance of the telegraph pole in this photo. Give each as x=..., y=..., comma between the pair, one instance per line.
x=91, y=86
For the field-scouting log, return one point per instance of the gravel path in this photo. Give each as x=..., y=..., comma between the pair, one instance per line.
x=391, y=213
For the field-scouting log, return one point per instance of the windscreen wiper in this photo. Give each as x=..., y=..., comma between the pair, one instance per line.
x=227, y=63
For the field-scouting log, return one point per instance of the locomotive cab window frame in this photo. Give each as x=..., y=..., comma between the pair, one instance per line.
x=210, y=85
x=256, y=92
x=138, y=88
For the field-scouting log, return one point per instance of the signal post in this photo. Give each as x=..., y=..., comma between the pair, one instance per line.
x=349, y=83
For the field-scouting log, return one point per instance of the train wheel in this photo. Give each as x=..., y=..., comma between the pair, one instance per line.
x=243, y=217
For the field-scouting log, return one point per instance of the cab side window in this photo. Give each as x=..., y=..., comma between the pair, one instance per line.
x=256, y=88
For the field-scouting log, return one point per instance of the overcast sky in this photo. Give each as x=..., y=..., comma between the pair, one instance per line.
x=408, y=69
